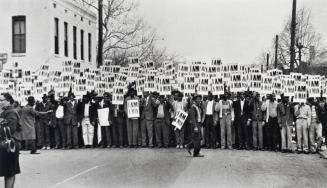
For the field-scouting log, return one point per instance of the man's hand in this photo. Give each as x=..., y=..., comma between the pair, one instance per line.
x=248, y=122
x=93, y=123
x=78, y=124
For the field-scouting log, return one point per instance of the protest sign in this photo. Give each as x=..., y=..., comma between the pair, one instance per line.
x=289, y=86
x=236, y=82
x=300, y=93
x=255, y=81
x=133, y=109
x=266, y=85
x=103, y=116
x=180, y=119
x=203, y=87
x=314, y=89
x=217, y=86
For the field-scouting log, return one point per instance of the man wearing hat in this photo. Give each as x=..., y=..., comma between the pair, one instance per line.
x=60, y=132
x=256, y=118
x=162, y=122
x=195, y=115
x=241, y=114
x=43, y=124
x=208, y=120
x=226, y=116
x=285, y=114
x=85, y=117
x=132, y=123
x=70, y=120
x=106, y=132
x=179, y=104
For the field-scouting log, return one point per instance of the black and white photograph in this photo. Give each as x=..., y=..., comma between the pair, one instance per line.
x=163, y=93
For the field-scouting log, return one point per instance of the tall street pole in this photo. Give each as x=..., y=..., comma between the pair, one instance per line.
x=100, y=33
x=276, y=51
x=293, y=27
x=267, y=61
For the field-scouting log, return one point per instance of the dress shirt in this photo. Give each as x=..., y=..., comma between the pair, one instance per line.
x=60, y=112
x=160, y=112
x=242, y=106
x=86, y=110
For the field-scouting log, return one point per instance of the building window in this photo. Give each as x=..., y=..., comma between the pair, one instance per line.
x=56, y=36
x=82, y=18
x=74, y=42
x=54, y=5
x=89, y=46
x=19, y=34
x=82, y=44
x=66, y=38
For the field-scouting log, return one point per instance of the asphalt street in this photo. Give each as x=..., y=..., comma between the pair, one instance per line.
x=153, y=168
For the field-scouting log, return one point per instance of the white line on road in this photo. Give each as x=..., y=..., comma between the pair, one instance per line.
x=73, y=177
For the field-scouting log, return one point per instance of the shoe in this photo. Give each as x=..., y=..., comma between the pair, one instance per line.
x=177, y=146
x=44, y=148
x=34, y=152
x=189, y=151
x=199, y=155
x=223, y=147
x=47, y=148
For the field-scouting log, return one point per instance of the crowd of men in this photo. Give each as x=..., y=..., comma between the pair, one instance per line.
x=244, y=120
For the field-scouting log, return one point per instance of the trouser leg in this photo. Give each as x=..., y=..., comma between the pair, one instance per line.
x=114, y=127
x=149, y=128
x=135, y=131
x=222, y=132
x=108, y=135
x=319, y=135
x=228, y=125
x=305, y=133
x=69, y=135
x=130, y=131
x=40, y=137
x=283, y=133
x=289, y=145
x=75, y=135
x=260, y=135
x=312, y=137
x=197, y=144
x=299, y=131
x=121, y=131
x=177, y=136
x=143, y=132
x=158, y=131
x=165, y=133
x=255, y=133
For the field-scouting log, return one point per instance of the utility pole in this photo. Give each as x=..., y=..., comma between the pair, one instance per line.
x=293, y=27
x=276, y=51
x=267, y=61
x=100, y=33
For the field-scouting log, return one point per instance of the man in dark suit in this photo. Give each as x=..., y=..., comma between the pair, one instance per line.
x=241, y=116
x=162, y=122
x=70, y=120
x=43, y=124
x=147, y=118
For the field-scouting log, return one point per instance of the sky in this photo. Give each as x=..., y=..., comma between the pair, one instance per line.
x=236, y=31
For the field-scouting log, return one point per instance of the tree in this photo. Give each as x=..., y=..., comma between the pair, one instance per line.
x=305, y=37
x=125, y=34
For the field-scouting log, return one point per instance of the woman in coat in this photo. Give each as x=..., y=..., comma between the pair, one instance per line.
x=9, y=162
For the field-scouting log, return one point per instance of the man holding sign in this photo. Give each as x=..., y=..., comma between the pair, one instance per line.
x=179, y=105
x=131, y=107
